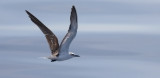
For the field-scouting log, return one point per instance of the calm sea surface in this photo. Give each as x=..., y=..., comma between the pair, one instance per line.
x=102, y=56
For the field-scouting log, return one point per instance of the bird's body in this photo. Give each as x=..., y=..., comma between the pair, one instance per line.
x=59, y=52
x=61, y=57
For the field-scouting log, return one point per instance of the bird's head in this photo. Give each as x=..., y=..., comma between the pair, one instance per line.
x=73, y=55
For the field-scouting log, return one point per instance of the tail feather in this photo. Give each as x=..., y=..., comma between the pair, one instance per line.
x=42, y=57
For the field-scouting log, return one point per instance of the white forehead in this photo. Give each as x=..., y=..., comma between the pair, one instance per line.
x=71, y=53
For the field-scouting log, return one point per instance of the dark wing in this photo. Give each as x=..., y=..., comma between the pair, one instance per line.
x=51, y=38
x=71, y=32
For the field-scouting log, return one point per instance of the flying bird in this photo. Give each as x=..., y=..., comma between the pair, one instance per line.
x=59, y=52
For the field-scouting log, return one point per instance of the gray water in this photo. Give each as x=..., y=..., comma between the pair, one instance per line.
x=103, y=55
x=116, y=39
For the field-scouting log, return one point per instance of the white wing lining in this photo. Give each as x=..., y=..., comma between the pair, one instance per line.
x=64, y=47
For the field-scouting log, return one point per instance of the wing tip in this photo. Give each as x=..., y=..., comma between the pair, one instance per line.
x=28, y=12
x=73, y=8
x=73, y=13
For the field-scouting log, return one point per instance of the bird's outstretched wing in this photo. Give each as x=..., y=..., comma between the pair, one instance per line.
x=64, y=46
x=51, y=38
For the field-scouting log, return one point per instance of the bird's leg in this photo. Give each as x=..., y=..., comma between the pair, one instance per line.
x=53, y=60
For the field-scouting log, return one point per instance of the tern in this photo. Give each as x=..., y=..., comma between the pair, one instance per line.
x=59, y=52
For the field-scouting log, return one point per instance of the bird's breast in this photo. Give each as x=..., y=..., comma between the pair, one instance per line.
x=63, y=57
